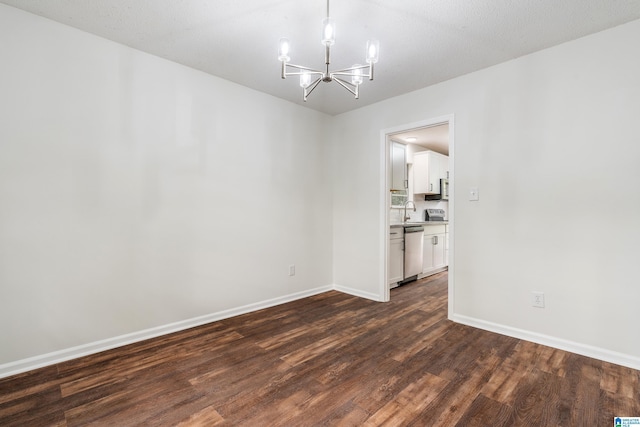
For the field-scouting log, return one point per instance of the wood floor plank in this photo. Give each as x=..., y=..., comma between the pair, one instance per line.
x=348, y=415
x=587, y=392
x=485, y=412
x=26, y=384
x=316, y=349
x=409, y=403
x=536, y=400
x=331, y=360
x=40, y=408
x=206, y=417
x=504, y=382
x=620, y=381
x=422, y=341
x=456, y=398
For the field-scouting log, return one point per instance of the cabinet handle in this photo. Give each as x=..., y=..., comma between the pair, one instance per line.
x=406, y=183
x=430, y=187
x=435, y=240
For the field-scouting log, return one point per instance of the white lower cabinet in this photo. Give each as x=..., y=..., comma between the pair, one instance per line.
x=395, y=266
x=434, y=250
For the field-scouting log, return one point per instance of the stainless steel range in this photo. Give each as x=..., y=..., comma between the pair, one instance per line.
x=434, y=215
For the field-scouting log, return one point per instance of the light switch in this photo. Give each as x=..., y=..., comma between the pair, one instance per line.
x=473, y=194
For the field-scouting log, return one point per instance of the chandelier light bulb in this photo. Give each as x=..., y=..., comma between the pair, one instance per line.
x=356, y=78
x=373, y=48
x=283, y=50
x=328, y=31
x=305, y=80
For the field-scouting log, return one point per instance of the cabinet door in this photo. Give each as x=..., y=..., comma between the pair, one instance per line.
x=427, y=253
x=425, y=173
x=444, y=167
x=396, y=261
x=398, y=167
x=420, y=173
x=434, y=172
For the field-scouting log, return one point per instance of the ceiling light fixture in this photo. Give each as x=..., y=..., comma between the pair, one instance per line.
x=310, y=78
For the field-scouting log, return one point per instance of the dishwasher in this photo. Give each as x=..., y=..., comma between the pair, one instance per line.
x=413, y=246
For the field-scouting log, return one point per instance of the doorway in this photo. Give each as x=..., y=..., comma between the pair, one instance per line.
x=436, y=134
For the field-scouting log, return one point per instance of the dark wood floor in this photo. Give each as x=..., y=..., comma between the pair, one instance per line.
x=332, y=359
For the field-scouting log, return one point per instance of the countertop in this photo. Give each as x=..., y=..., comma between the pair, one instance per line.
x=409, y=224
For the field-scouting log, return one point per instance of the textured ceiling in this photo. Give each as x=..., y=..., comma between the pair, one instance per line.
x=422, y=42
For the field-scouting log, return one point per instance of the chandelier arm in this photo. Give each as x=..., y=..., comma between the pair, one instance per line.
x=348, y=86
x=304, y=70
x=347, y=71
x=348, y=74
x=310, y=73
x=344, y=70
x=307, y=91
x=300, y=67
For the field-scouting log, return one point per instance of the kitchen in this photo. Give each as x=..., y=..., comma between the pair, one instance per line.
x=418, y=204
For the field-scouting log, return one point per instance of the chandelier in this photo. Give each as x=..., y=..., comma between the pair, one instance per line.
x=310, y=78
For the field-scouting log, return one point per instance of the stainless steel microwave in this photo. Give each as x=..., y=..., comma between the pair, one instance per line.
x=444, y=191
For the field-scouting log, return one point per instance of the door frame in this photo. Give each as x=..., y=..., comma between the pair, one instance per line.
x=385, y=200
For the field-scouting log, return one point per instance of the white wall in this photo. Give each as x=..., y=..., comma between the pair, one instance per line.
x=136, y=193
x=549, y=139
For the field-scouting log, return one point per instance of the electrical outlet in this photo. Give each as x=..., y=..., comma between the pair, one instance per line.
x=537, y=299
x=292, y=270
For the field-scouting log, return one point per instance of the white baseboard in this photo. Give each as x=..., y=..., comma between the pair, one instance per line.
x=551, y=341
x=357, y=292
x=48, y=359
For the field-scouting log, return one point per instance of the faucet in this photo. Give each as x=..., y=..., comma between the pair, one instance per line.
x=405, y=217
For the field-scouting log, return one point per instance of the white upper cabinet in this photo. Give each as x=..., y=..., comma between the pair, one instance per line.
x=434, y=173
x=428, y=168
x=398, y=181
